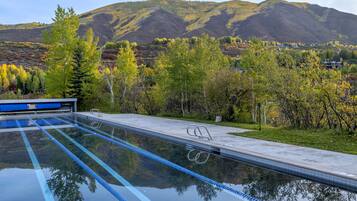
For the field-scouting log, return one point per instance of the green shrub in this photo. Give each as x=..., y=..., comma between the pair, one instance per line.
x=120, y=44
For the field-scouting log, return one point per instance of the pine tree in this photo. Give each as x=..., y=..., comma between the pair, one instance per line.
x=85, y=62
x=79, y=75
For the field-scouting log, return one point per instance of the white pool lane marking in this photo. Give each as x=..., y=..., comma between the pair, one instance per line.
x=118, y=177
x=8, y=130
x=47, y=194
x=83, y=165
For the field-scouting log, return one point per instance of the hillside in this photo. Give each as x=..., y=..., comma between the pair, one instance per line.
x=30, y=54
x=143, y=21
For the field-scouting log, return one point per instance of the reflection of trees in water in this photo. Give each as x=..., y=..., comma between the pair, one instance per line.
x=260, y=183
x=206, y=191
x=124, y=162
x=279, y=187
x=67, y=178
x=180, y=181
x=129, y=162
x=269, y=186
x=326, y=193
x=181, y=184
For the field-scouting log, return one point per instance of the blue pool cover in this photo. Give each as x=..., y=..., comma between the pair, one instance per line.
x=26, y=107
x=26, y=123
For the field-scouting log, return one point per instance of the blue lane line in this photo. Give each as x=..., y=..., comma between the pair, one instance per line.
x=147, y=154
x=119, y=178
x=47, y=194
x=82, y=164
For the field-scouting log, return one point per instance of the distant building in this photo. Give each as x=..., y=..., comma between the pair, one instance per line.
x=332, y=64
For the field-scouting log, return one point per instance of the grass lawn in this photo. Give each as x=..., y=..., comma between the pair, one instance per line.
x=321, y=139
x=230, y=124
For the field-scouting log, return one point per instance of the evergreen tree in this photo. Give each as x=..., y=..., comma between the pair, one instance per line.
x=85, y=63
x=78, y=74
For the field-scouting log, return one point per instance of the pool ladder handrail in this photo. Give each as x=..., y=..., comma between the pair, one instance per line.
x=201, y=132
x=96, y=112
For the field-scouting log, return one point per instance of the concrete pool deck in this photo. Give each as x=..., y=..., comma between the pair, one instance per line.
x=327, y=166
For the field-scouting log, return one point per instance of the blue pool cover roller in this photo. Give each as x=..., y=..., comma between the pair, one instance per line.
x=27, y=107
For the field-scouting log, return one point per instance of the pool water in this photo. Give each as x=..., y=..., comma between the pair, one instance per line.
x=91, y=161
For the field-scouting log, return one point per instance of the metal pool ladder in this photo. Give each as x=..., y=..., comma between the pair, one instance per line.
x=96, y=112
x=201, y=132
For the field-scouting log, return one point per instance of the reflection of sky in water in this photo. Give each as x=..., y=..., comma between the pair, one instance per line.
x=189, y=194
x=21, y=184
x=18, y=185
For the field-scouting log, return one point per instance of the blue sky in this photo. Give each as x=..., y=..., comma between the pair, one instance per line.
x=23, y=11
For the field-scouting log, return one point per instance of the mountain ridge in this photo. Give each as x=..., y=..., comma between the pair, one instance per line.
x=143, y=21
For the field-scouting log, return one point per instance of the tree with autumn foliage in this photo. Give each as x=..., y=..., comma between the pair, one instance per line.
x=73, y=62
x=62, y=40
x=19, y=79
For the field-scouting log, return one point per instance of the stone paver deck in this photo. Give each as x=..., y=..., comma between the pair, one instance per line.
x=338, y=164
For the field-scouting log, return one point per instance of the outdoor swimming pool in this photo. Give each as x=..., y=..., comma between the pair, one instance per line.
x=72, y=158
